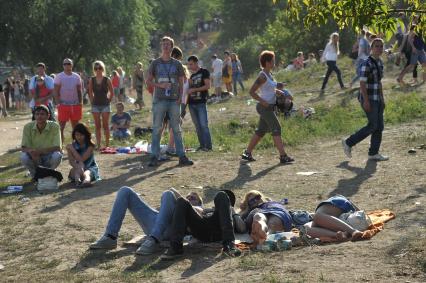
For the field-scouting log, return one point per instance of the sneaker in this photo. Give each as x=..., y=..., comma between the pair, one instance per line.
x=247, y=156
x=149, y=246
x=231, y=250
x=378, y=157
x=172, y=254
x=185, y=161
x=104, y=243
x=153, y=162
x=347, y=149
x=286, y=159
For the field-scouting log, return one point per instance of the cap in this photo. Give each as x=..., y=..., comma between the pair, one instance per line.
x=41, y=64
x=67, y=60
x=42, y=107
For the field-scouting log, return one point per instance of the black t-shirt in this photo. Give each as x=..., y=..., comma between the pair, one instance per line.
x=1, y=87
x=198, y=81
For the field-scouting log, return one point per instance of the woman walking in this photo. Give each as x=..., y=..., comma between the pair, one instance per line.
x=237, y=71
x=99, y=86
x=268, y=121
x=329, y=55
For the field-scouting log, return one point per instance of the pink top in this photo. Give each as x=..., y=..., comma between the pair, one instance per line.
x=68, y=88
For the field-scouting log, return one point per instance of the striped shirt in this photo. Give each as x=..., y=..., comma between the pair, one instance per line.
x=372, y=74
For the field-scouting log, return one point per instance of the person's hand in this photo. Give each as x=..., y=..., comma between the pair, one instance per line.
x=68, y=147
x=191, y=90
x=35, y=155
x=165, y=85
x=366, y=105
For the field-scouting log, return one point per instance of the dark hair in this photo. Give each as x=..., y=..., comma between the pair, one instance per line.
x=266, y=56
x=227, y=53
x=193, y=58
x=214, y=56
x=119, y=104
x=42, y=108
x=176, y=53
x=84, y=130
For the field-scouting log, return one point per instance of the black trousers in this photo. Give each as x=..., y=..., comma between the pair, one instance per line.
x=408, y=57
x=215, y=227
x=332, y=67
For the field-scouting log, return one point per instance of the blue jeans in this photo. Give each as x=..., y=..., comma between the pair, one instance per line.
x=374, y=128
x=154, y=223
x=236, y=77
x=199, y=118
x=50, y=160
x=121, y=133
x=159, y=109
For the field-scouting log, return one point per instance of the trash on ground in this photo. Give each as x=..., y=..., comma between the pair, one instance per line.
x=412, y=150
x=307, y=173
x=13, y=189
x=222, y=109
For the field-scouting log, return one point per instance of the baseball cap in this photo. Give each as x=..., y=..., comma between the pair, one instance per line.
x=67, y=60
x=42, y=107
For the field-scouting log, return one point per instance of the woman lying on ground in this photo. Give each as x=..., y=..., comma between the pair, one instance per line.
x=326, y=223
x=154, y=223
x=263, y=217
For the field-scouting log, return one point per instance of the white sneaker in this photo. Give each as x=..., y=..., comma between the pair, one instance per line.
x=149, y=246
x=104, y=243
x=378, y=157
x=347, y=149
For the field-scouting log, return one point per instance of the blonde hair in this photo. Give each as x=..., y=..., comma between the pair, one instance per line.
x=336, y=45
x=244, y=207
x=99, y=63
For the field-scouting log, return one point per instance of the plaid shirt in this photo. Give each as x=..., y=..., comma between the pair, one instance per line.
x=372, y=76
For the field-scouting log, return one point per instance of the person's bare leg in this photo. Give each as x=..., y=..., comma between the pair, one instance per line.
x=171, y=139
x=279, y=144
x=325, y=234
x=407, y=69
x=97, y=119
x=335, y=224
x=62, y=126
x=255, y=139
x=275, y=224
x=259, y=229
x=105, y=126
x=74, y=123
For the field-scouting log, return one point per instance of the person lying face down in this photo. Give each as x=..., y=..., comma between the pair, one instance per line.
x=216, y=224
x=154, y=223
x=263, y=216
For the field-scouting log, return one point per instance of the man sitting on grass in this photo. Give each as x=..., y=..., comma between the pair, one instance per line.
x=120, y=122
x=41, y=142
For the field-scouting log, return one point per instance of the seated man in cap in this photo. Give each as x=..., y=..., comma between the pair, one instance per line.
x=41, y=142
x=217, y=225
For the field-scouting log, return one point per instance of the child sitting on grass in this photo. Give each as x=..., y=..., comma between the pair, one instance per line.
x=84, y=169
x=120, y=122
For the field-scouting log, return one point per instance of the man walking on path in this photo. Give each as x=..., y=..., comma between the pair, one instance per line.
x=372, y=101
x=166, y=76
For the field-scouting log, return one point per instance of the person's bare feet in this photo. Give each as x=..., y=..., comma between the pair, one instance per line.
x=259, y=232
x=356, y=235
x=342, y=236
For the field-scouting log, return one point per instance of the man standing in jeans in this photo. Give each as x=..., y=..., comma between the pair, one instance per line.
x=197, y=98
x=166, y=76
x=373, y=103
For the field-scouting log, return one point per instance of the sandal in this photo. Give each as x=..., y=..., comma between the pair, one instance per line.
x=284, y=159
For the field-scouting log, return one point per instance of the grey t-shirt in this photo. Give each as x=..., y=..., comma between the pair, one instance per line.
x=166, y=72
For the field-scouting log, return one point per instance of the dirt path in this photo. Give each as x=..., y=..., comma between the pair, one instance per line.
x=54, y=230
x=11, y=132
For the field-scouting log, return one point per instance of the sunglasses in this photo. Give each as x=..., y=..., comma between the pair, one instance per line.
x=65, y=64
x=254, y=200
x=98, y=68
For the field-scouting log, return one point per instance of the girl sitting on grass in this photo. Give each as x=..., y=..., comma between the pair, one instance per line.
x=84, y=169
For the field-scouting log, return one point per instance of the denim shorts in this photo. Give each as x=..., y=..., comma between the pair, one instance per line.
x=420, y=57
x=340, y=202
x=101, y=108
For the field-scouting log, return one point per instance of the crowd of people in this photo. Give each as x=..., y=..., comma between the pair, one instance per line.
x=176, y=86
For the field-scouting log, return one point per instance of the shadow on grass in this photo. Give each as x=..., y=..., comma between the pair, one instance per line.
x=349, y=187
x=107, y=186
x=93, y=258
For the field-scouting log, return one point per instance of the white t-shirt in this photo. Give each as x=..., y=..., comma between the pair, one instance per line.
x=48, y=82
x=68, y=87
x=330, y=53
x=217, y=65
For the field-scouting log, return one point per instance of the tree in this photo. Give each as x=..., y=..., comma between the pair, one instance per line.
x=79, y=29
x=378, y=15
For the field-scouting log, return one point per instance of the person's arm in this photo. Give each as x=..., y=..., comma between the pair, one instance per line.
x=127, y=124
x=411, y=41
x=111, y=90
x=205, y=87
x=239, y=224
x=90, y=91
x=56, y=92
x=80, y=93
x=180, y=89
x=261, y=79
x=77, y=156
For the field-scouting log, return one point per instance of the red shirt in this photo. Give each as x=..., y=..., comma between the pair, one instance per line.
x=115, y=81
x=43, y=91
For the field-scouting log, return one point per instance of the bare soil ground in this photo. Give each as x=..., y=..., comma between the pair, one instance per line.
x=46, y=238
